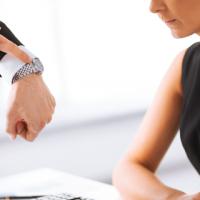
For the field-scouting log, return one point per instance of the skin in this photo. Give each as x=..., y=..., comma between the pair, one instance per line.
x=185, y=12
x=11, y=48
x=134, y=175
x=25, y=118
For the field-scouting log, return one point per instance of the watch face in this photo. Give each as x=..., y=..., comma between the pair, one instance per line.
x=37, y=64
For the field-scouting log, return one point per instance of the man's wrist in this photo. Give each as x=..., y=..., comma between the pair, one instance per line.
x=35, y=67
x=12, y=69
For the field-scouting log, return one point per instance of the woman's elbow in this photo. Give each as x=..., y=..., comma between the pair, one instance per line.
x=118, y=174
x=119, y=179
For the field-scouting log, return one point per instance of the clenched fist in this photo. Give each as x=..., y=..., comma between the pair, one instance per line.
x=30, y=107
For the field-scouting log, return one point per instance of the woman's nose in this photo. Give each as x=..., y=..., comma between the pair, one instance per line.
x=156, y=6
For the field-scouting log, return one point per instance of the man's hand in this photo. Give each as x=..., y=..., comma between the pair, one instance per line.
x=30, y=107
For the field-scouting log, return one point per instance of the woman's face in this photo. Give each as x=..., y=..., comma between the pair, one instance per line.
x=181, y=16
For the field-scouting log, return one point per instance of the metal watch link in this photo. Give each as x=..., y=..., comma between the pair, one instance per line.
x=35, y=67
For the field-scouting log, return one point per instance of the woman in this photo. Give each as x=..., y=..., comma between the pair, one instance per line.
x=30, y=103
x=176, y=104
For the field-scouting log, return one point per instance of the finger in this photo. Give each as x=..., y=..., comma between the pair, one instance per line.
x=11, y=131
x=20, y=126
x=23, y=133
x=20, y=54
x=49, y=119
x=21, y=129
x=31, y=134
x=54, y=101
x=33, y=130
x=10, y=126
x=42, y=125
x=51, y=104
x=52, y=108
x=9, y=47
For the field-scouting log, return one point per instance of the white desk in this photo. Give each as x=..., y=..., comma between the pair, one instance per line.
x=48, y=181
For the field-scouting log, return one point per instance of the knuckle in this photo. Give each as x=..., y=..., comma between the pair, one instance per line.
x=31, y=136
x=49, y=119
x=32, y=129
x=54, y=101
x=42, y=124
x=35, y=129
x=52, y=110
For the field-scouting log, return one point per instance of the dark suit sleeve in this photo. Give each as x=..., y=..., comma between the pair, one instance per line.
x=6, y=32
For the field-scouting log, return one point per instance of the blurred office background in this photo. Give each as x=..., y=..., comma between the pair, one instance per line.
x=104, y=60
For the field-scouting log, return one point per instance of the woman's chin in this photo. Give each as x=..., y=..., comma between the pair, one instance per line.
x=179, y=34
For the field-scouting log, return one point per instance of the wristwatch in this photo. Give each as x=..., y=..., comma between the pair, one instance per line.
x=35, y=67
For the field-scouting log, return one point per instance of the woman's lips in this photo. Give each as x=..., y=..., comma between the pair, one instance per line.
x=170, y=21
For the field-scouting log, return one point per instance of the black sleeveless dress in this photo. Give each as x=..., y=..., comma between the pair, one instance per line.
x=190, y=116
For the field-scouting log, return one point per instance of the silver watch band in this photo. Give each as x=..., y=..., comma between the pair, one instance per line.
x=35, y=67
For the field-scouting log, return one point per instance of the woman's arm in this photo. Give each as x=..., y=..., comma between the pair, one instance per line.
x=134, y=175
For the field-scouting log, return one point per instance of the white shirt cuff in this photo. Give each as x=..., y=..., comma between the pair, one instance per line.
x=9, y=65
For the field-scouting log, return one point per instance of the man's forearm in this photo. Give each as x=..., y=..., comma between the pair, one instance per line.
x=136, y=182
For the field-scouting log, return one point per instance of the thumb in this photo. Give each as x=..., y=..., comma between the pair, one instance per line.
x=21, y=128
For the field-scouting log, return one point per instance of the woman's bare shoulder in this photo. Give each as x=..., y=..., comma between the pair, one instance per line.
x=176, y=66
